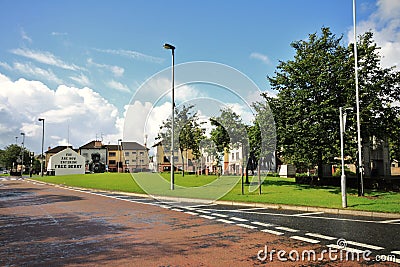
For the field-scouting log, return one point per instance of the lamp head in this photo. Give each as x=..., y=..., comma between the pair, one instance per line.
x=40, y=119
x=169, y=46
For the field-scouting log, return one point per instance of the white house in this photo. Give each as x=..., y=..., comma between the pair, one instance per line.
x=66, y=162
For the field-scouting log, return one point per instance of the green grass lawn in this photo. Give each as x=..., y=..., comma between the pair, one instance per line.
x=275, y=190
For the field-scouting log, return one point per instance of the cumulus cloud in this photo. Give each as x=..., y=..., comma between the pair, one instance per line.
x=79, y=113
x=384, y=22
x=115, y=70
x=263, y=58
x=118, y=86
x=45, y=58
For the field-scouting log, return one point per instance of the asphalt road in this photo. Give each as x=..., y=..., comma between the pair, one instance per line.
x=99, y=220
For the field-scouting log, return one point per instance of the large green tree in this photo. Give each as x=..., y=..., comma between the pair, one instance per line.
x=187, y=132
x=318, y=81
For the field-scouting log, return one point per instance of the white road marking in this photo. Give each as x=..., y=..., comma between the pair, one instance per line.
x=207, y=217
x=175, y=209
x=263, y=224
x=321, y=236
x=272, y=232
x=239, y=219
x=246, y=226
x=354, y=250
x=286, y=229
x=219, y=215
x=225, y=221
x=364, y=245
x=191, y=213
x=395, y=252
x=306, y=214
x=390, y=221
x=305, y=239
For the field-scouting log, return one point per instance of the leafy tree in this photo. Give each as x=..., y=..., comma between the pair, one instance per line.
x=187, y=132
x=310, y=90
x=318, y=81
x=229, y=132
x=11, y=154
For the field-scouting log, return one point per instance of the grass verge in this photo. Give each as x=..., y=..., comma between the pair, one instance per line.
x=275, y=190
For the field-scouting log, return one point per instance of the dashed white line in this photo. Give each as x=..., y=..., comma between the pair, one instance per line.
x=225, y=221
x=305, y=239
x=272, y=232
x=207, y=217
x=390, y=221
x=287, y=229
x=364, y=245
x=219, y=215
x=306, y=214
x=263, y=224
x=238, y=219
x=321, y=236
x=175, y=209
x=246, y=226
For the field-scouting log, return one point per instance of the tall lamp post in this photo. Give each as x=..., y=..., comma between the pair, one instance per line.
x=41, y=156
x=172, y=48
x=360, y=179
x=120, y=152
x=342, y=121
x=23, y=150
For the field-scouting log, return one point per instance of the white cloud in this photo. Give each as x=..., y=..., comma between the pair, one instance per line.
x=25, y=36
x=45, y=58
x=118, y=86
x=131, y=54
x=36, y=72
x=59, y=33
x=385, y=24
x=81, y=110
x=263, y=58
x=116, y=70
x=81, y=79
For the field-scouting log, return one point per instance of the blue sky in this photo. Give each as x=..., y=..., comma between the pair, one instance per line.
x=58, y=59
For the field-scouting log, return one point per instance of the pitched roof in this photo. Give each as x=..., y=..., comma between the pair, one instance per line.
x=132, y=146
x=58, y=149
x=92, y=144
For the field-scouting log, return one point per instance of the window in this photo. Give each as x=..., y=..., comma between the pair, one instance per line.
x=133, y=152
x=112, y=162
x=127, y=161
x=126, y=154
x=141, y=153
x=233, y=156
x=112, y=154
x=237, y=155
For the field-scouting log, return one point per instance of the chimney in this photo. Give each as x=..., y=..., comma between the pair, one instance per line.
x=97, y=143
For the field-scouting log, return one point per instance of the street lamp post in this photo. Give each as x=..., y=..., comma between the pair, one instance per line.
x=23, y=150
x=360, y=180
x=172, y=48
x=342, y=121
x=41, y=156
x=120, y=152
